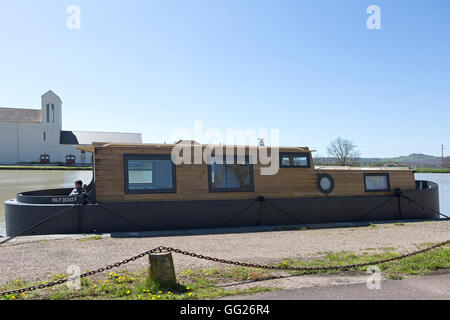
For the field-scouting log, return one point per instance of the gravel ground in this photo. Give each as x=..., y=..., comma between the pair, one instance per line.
x=37, y=258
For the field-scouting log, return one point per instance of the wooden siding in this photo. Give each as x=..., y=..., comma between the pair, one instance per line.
x=192, y=180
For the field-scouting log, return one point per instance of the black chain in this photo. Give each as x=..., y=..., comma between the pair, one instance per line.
x=213, y=259
x=83, y=275
x=263, y=266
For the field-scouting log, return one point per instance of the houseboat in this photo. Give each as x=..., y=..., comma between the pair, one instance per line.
x=138, y=187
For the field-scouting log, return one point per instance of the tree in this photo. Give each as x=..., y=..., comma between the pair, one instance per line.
x=343, y=150
x=446, y=163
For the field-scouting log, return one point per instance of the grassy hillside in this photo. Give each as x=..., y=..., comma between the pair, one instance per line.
x=414, y=160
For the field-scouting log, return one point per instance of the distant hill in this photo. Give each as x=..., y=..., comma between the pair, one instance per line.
x=417, y=160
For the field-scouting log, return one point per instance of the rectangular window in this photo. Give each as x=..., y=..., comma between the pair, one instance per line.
x=285, y=161
x=231, y=177
x=149, y=174
x=376, y=182
x=294, y=160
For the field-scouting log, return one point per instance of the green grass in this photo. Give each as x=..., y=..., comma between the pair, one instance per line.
x=424, y=245
x=39, y=167
x=289, y=228
x=416, y=265
x=123, y=285
x=86, y=239
x=388, y=249
x=210, y=283
x=433, y=170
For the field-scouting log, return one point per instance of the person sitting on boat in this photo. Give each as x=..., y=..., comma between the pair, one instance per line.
x=78, y=190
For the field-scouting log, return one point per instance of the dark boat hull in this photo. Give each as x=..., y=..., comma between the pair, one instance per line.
x=172, y=215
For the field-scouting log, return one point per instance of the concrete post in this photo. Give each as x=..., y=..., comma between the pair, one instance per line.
x=162, y=270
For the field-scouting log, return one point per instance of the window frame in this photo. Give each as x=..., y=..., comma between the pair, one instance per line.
x=377, y=174
x=330, y=178
x=251, y=187
x=53, y=113
x=149, y=157
x=291, y=155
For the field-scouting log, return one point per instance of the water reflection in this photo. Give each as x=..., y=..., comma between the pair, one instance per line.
x=13, y=182
x=443, y=180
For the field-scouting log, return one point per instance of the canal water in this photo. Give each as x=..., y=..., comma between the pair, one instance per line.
x=13, y=182
x=16, y=181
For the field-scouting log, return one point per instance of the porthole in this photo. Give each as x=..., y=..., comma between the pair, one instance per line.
x=325, y=183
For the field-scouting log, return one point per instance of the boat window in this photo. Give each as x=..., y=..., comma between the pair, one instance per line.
x=231, y=177
x=376, y=182
x=149, y=174
x=325, y=183
x=300, y=161
x=285, y=161
x=294, y=160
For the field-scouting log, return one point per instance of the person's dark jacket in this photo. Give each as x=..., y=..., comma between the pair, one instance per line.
x=77, y=192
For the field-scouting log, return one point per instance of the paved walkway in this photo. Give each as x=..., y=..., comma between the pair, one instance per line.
x=436, y=287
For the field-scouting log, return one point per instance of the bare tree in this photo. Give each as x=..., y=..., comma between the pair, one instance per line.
x=446, y=163
x=343, y=150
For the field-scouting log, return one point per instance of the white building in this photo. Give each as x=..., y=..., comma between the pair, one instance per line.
x=36, y=136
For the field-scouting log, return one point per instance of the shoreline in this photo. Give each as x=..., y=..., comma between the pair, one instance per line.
x=38, y=167
x=432, y=170
x=64, y=167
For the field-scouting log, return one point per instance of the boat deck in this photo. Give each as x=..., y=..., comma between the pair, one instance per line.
x=361, y=168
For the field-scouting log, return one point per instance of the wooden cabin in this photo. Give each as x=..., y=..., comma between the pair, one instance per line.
x=297, y=177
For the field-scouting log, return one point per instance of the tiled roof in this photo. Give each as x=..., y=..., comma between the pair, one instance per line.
x=20, y=115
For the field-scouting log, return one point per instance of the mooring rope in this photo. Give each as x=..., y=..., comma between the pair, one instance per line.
x=377, y=207
x=57, y=214
x=238, y=213
x=120, y=217
x=422, y=206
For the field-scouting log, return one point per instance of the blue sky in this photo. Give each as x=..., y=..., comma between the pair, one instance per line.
x=311, y=69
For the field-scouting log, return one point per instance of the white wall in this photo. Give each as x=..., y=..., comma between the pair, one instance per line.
x=8, y=142
x=24, y=142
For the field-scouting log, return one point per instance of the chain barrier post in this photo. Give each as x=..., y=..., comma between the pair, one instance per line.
x=167, y=268
x=162, y=269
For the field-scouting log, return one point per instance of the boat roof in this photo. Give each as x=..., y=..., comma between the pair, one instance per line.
x=359, y=168
x=95, y=145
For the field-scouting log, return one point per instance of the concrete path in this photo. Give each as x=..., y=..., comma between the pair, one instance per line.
x=435, y=287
